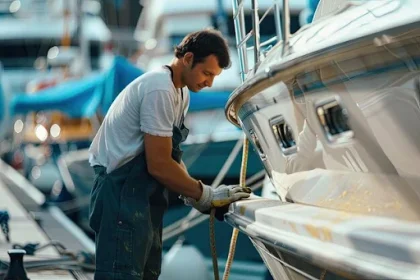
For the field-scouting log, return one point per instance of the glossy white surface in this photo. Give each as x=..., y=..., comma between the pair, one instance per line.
x=348, y=90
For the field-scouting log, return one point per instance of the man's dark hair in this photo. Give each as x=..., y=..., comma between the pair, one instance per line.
x=204, y=43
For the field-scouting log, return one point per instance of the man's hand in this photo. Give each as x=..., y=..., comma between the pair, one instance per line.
x=218, y=197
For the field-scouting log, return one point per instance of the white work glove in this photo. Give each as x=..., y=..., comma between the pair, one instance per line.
x=217, y=197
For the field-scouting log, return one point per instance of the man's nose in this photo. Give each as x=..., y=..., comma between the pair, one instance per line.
x=209, y=82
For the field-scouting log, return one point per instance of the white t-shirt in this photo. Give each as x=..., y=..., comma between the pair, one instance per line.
x=150, y=104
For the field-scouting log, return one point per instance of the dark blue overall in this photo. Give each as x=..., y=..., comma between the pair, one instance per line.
x=126, y=213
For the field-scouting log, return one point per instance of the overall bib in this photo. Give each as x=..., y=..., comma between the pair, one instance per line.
x=126, y=213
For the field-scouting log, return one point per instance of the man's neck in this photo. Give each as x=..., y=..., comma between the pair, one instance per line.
x=177, y=67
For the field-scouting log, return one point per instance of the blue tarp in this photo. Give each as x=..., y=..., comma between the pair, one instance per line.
x=116, y=79
x=208, y=100
x=75, y=98
x=84, y=97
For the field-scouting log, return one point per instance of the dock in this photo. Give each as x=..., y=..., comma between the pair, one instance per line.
x=25, y=228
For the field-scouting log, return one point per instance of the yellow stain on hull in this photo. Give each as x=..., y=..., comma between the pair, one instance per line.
x=320, y=233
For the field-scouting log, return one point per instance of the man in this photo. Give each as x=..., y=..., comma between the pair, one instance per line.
x=136, y=156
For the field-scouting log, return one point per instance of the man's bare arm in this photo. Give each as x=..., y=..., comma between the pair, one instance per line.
x=166, y=170
x=184, y=166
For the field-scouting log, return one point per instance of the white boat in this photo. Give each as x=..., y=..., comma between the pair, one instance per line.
x=44, y=44
x=333, y=111
x=33, y=27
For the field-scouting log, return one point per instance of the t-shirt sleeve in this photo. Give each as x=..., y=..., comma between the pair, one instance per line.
x=157, y=113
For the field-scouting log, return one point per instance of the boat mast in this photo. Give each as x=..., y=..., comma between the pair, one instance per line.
x=83, y=42
x=66, y=40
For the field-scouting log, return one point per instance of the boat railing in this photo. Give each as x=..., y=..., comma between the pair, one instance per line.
x=242, y=38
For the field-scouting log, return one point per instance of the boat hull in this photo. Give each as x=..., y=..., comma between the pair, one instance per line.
x=305, y=242
x=335, y=119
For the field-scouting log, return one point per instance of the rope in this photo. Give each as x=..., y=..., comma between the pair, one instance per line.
x=213, y=245
x=68, y=260
x=254, y=183
x=235, y=230
x=216, y=182
x=322, y=277
x=219, y=177
x=192, y=222
x=4, y=224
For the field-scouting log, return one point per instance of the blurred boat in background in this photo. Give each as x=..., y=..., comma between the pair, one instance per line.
x=43, y=43
x=32, y=28
x=63, y=117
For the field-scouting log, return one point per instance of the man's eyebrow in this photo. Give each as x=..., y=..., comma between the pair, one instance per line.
x=210, y=72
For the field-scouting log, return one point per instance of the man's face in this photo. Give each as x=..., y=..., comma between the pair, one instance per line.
x=202, y=74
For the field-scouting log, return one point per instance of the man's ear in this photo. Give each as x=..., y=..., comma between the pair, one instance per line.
x=188, y=59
